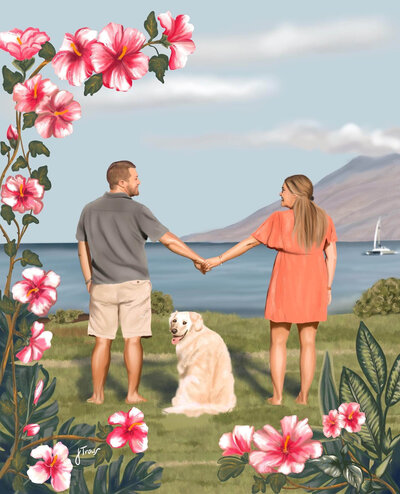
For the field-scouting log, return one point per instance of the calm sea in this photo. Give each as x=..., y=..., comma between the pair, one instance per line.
x=238, y=286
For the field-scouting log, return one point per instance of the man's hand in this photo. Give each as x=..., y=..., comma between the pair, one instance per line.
x=212, y=262
x=88, y=286
x=200, y=265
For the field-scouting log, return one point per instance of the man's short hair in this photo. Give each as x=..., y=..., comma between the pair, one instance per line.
x=119, y=170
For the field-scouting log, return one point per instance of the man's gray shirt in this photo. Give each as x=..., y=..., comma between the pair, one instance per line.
x=116, y=229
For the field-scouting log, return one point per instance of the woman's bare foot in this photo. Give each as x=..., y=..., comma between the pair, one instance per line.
x=274, y=401
x=135, y=398
x=95, y=400
x=301, y=400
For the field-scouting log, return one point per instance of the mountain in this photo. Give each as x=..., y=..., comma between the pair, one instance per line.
x=354, y=196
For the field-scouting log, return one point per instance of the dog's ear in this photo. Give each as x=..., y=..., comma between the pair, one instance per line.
x=197, y=321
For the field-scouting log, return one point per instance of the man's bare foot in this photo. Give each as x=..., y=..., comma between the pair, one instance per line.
x=135, y=398
x=300, y=400
x=95, y=400
x=274, y=401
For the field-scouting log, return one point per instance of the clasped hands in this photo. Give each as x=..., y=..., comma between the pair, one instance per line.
x=205, y=265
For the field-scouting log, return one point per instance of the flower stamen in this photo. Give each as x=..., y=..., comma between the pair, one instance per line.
x=124, y=50
x=54, y=461
x=19, y=40
x=21, y=190
x=351, y=415
x=133, y=425
x=56, y=113
x=34, y=290
x=285, y=449
x=76, y=50
x=35, y=90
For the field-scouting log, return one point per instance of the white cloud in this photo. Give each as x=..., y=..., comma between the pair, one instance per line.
x=305, y=135
x=293, y=40
x=181, y=90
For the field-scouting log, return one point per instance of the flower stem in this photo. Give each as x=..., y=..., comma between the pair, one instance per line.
x=5, y=234
x=308, y=488
x=39, y=68
x=11, y=324
x=62, y=436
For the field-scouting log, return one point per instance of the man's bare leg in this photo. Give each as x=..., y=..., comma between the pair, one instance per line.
x=308, y=358
x=133, y=356
x=279, y=333
x=101, y=356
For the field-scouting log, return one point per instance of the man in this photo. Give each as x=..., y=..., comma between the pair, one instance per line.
x=111, y=235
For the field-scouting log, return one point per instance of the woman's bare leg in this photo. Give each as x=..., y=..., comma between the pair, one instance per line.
x=279, y=333
x=307, y=334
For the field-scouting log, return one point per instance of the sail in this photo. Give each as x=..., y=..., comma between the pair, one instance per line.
x=377, y=236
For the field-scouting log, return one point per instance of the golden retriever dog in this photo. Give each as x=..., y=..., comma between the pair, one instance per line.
x=206, y=382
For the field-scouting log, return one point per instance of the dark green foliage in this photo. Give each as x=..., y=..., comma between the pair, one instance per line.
x=150, y=24
x=159, y=65
x=10, y=248
x=41, y=175
x=47, y=52
x=29, y=218
x=23, y=65
x=7, y=213
x=10, y=79
x=231, y=466
x=37, y=147
x=19, y=163
x=29, y=120
x=4, y=148
x=64, y=316
x=29, y=257
x=277, y=481
x=382, y=298
x=93, y=84
x=161, y=303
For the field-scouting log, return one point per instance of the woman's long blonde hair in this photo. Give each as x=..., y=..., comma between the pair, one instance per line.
x=310, y=221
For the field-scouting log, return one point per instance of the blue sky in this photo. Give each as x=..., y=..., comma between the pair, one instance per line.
x=272, y=89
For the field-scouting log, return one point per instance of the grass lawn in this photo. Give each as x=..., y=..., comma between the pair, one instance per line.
x=187, y=448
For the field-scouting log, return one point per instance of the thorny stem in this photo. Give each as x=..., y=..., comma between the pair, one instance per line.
x=61, y=436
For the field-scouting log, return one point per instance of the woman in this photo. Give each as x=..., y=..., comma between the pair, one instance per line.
x=300, y=286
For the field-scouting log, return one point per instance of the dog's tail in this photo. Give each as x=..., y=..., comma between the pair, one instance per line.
x=196, y=409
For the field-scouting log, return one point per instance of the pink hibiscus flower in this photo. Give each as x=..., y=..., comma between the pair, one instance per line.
x=118, y=58
x=287, y=452
x=38, y=289
x=132, y=430
x=56, y=465
x=38, y=343
x=238, y=441
x=56, y=113
x=12, y=133
x=351, y=416
x=332, y=424
x=22, y=195
x=179, y=33
x=38, y=391
x=73, y=61
x=31, y=429
x=32, y=92
x=23, y=45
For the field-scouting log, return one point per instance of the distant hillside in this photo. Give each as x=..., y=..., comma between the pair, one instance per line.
x=354, y=196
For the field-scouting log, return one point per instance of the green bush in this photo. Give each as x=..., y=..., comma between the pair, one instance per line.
x=382, y=298
x=65, y=316
x=161, y=303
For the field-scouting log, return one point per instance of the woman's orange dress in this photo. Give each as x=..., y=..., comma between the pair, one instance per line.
x=297, y=290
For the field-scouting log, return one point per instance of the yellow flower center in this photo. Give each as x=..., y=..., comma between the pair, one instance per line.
x=351, y=415
x=75, y=50
x=332, y=422
x=34, y=290
x=54, y=461
x=19, y=40
x=20, y=190
x=35, y=90
x=124, y=49
x=133, y=425
x=56, y=113
x=285, y=450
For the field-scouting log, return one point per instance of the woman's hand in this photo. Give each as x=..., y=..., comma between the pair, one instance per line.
x=329, y=297
x=212, y=262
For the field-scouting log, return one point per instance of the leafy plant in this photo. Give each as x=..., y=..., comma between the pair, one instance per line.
x=382, y=298
x=161, y=303
x=64, y=316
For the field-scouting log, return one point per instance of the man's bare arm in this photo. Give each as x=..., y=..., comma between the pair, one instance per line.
x=86, y=262
x=175, y=244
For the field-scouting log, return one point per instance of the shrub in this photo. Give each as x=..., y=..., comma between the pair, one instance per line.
x=382, y=298
x=161, y=303
x=64, y=316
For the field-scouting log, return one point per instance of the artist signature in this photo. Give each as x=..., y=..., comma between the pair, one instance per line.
x=84, y=451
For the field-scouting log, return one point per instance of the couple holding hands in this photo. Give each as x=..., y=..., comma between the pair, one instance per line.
x=111, y=235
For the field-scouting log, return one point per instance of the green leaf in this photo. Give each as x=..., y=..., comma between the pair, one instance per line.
x=7, y=305
x=159, y=64
x=104, y=453
x=10, y=248
x=100, y=480
x=150, y=24
x=93, y=84
x=104, y=430
x=329, y=464
x=4, y=148
x=18, y=484
x=20, y=162
x=29, y=218
x=47, y=52
x=231, y=467
x=41, y=175
x=354, y=476
x=78, y=483
x=7, y=213
x=23, y=65
x=277, y=481
x=259, y=485
x=37, y=147
x=328, y=396
x=29, y=120
x=11, y=79
x=29, y=257
x=383, y=466
x=393, y=386
x=371, y=358
x=354, y=389
x=164, y=41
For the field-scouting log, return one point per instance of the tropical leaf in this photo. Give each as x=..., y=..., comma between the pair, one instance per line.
x=393, y=386
x=4, y=148
x=260, y=485
x=29, y=218
x=29, y=257
x=29, y=120
x=159, y=65
x=277, y=481
x=329, y=464
x=380, y=470
x=7, y=305
x=20, y=162
x=104, y=453
x=104, y=430
x=37, y=147
x=150, y=24
x=10, y=248
x=93, y=84
x=231, y=467
x=328, y=396
x=78, y=483
x=10, y=79
x=354, y=476
x=41, y=175
x=371, y=358
x=354, y=389
x=23, y=65
x=7, y=213
x=47, y=52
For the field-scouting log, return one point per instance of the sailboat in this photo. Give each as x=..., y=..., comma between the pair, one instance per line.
x=379, y=249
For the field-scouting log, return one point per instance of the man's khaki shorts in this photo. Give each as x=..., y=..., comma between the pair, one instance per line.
x=128, y=303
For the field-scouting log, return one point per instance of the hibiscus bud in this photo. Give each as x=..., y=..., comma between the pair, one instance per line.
x=12, y=136
x=31, y=429
x=38, y=391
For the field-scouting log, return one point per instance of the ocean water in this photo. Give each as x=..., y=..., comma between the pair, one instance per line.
x=239, y=286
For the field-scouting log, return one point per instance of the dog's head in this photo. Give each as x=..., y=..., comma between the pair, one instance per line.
x=180, y=323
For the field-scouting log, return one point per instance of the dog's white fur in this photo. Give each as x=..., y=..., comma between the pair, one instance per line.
x=206, y=383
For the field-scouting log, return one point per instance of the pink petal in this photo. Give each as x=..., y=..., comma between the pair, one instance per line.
x=166, y=21
x=25, y=355
x=229, y=446
x=33, y=274
x=133, y=40
x=243, y=435
x=302, y=431
x=258, y=460
x=60, y=480
x=44, y=452
x=61, y=451
x=118, y=437
x=62, y=99
x=38, y=391
x=74, y=112
x=40, y=307
x=39, y=473
x=37, y=329
x=111, y=34
x=102, y=58
x=179, y=54
x=138, y=443
x=31, y=429
x=183, y=30
x=44, y=124
x=118, y=418
x=84, y=35
x=267, y=438
x=135, y=415
x=138, y=64
x=20, y=291
x=62, y=128
x=33, y=187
